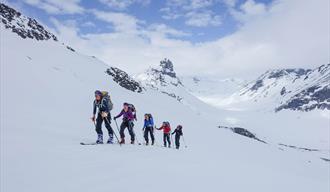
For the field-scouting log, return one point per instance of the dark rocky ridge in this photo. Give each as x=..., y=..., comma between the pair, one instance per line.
x=23, y=26
x=243, y=132
x=299, y=148
x=124, y=80
x=315, y=93
x=316, y=96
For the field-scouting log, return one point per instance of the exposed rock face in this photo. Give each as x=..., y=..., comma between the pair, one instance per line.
x=23, y=26
x=167, y=68
x=244, y=132
x=163, y=79
x=124, y=80
x=316, y=95
x=292, y=89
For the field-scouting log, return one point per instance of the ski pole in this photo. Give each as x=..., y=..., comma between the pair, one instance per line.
x=117, y=126
x=136, y=137
x=113, y=132
x=184, y=142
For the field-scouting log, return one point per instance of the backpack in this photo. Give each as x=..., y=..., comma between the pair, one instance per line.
x=106, y=96
x=149, y=115
x=132, y=107
x=167, y=123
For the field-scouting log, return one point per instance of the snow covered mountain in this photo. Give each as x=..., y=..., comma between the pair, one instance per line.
x=294, y=89
x=212, y=90
x=46, y=99
x=186, y=89
x=162, y=79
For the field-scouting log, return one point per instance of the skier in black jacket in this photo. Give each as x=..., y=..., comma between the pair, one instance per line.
x=178, y=133
x=102, y=104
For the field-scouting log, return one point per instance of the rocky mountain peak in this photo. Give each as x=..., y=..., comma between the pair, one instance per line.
x=167, y=68
x=23, y=26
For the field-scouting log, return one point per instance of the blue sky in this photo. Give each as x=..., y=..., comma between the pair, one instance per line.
x=214, y=22
x=227, y=38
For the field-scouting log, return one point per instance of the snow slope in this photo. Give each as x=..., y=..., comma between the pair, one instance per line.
x=46, y=101
x=212, y=90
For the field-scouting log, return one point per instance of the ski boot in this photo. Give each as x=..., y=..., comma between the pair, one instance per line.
x=122, y=141
x=110, y=140
x=99, y=139
x=152, y=142
x=147, y=143
x=132, y=142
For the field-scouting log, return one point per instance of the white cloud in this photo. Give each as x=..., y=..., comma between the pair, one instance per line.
x=124, y=4
x=248, y=10
x=202, y=19
x=285, y=34
x=199, y=4
x=166, y=30
x=121, y=22
x=196, y=13
x=57, y=6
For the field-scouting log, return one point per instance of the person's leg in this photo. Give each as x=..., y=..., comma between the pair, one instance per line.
x=164, y=139
x=168, y=140
x=121, y=132
x=98, y=129
x=131, y=131
x=177, y=141
x=145, y=134
x=107, y=123
x=152, y=135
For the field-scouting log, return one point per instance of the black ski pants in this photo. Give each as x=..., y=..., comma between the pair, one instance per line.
x=177, y=141
x=147, y=131
x=107, y=122
x=129, y=125
x=167, y=139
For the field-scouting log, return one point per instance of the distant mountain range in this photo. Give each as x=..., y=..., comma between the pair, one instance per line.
x=279, y=89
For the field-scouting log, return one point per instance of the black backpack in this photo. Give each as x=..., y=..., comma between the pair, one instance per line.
x=106, y=96
x=132, y=107
x=149, y=115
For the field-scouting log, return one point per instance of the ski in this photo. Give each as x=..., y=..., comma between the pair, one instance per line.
x=82, y=143
x=94, y=143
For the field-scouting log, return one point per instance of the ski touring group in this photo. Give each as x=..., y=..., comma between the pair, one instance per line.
x=102, y=106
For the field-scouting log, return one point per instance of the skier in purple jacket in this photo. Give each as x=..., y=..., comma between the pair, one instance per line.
x=128, y=113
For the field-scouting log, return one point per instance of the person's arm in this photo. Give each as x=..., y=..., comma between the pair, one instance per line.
x=174, y=131
x=131, y=116
x=145, y=124
x=160, y=128
x=94, y=108
x=151, y=122
x=94, y=111
x=120, y=114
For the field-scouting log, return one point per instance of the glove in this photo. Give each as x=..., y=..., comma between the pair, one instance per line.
x=104, y=114
x=93, y=118
x=115, y=118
